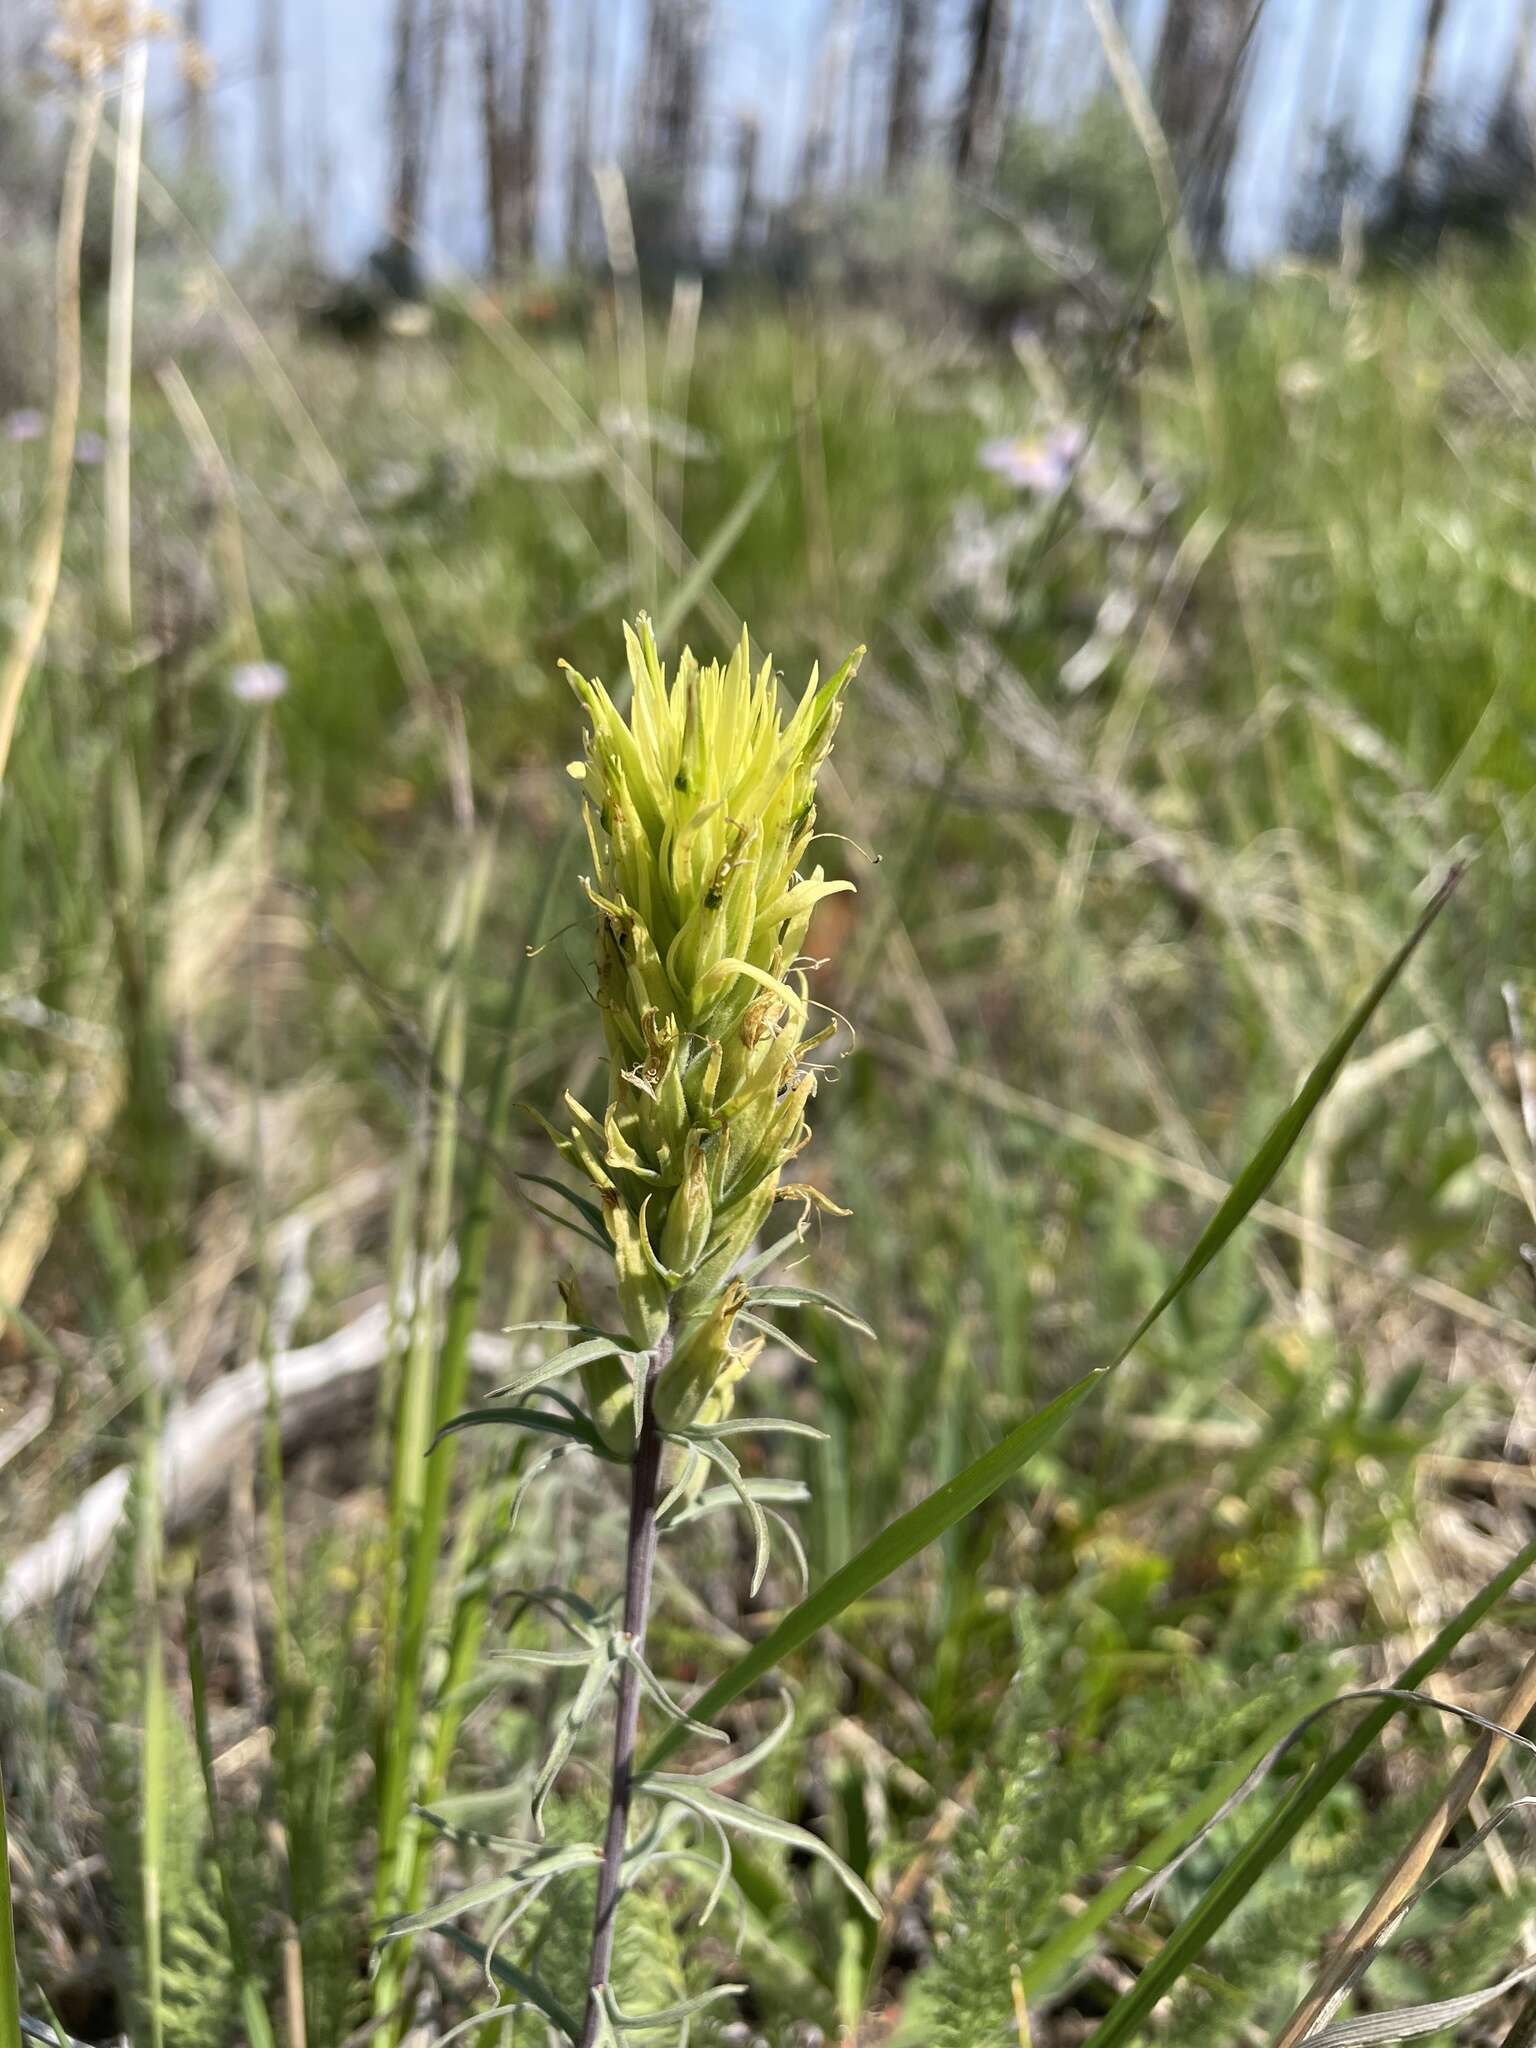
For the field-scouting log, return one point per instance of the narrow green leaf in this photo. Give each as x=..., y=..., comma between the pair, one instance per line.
x=742, y=1766
x=562, y=1328
x=1190, y=1938
x=949, y=1503
x=516, y=1980
x=715, y=550
x=754, y=1425
x=792, y=1493
x=586, y=1353
x=761, y=1261
x=776, y=1296
x=588, y=1211
x=52, y=2035
x=577, y=1715
x=750, y=1820
x=725, y=1461
x=538, y=1419
x=670, y=2015
x=468, y=1901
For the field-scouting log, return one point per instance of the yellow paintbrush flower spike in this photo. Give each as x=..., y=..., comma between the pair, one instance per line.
x=700, y=807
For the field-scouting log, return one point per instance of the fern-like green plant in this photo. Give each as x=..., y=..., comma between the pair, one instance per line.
x=177, y=1971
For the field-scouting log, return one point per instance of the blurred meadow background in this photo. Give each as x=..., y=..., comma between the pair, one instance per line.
x=1152, y=388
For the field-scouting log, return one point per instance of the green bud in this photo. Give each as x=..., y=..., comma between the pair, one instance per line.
x=686, y=1231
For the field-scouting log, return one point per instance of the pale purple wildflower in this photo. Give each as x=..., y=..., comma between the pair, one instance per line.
x=90, y=450
x=258, y=682
x=26, y=424
x=1043, y=464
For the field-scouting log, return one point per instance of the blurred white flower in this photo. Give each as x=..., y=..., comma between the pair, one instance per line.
x=258, y=682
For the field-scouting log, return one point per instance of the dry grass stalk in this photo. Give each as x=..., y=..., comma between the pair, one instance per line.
x=1197, y=1180
x=119, y=407
x=1407, y=1873
x=48, y=557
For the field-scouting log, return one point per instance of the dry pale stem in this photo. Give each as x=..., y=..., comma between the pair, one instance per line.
x=43, y=584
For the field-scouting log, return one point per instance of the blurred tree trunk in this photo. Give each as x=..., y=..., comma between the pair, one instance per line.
x=579, y=187
x=1314, y=99
x=269, y=66
x=667, y=144
x=1421, y=119
x=824, y=107
x=748, y=139
x=909, y=75
x=497, y=142
x=978, y=138
x=530, y=125
x=416, y=91
x=1199, y=102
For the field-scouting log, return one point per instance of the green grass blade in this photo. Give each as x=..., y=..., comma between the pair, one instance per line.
x=721, y=541
x=1189, y=1940
x=10, y=1983
x=402, y=1856
x=949, y=1503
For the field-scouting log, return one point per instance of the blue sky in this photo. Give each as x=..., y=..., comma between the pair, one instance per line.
x=761, y=59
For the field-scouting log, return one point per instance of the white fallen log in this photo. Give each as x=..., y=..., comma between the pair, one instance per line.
x=201, y=1442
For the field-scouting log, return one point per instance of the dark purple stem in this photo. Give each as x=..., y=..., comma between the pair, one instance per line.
x=645, y=1474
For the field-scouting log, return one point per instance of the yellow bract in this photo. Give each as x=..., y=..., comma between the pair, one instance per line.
x=700, y=807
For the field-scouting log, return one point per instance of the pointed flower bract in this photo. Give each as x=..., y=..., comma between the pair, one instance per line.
x=700, y=808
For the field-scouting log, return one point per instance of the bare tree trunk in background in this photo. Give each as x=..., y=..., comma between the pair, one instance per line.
x=269, y=65
x=667, y=142
x=824, y=107
x=748, y=138
x=909, y=75
x=497, y=143
x=404, y=125
x=320, y=167
x=1420, y=120
x=579, y=190
x=978, y=136
x=415, y=98
x=194, y=84
x=1192, y=86
x=660, y=34
x=530, y=122
x=1314, y=100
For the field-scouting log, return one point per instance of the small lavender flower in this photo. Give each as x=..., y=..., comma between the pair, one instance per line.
x=90, y=450
x=25, y=424
x=1043, y=465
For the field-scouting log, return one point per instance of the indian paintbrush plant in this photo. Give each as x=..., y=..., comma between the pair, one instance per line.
x=700, y=812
